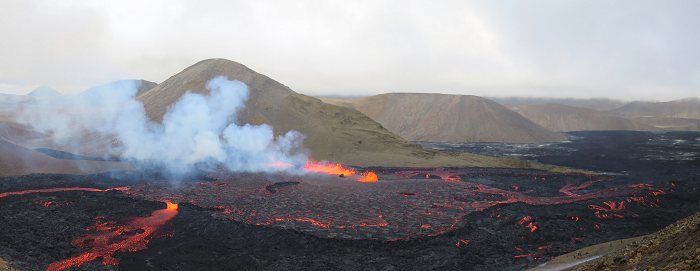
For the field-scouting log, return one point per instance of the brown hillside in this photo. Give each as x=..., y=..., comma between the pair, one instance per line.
x=684, y=108
x=18, y=134
x=17, y=160
x=332, y=132
x=673, y=248
x=145, y=86
x=557, y=117
x=448, y=118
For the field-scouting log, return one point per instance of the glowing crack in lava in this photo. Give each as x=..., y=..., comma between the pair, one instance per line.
x=109, y=238
x=406, y=203
x=328, y=168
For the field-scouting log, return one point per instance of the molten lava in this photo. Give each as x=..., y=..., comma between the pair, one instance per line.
x=368, y=177
x=109, y=237
x=462, y=243
x=328, y=168
x=279, y=164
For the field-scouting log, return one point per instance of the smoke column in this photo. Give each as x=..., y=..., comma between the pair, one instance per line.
x=197, y=128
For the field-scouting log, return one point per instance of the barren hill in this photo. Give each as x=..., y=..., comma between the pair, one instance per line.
x=557, y=117
x=332, y=132
x=448, y=118
x=17, y=160
x=684, y=108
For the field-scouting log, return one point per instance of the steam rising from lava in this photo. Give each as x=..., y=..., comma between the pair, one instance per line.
x=195, y=129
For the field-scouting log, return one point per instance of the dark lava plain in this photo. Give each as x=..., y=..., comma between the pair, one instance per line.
x=36, y=229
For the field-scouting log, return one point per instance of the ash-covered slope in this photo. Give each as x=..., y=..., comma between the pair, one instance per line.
x=17, y=160
x=684, y=108
x=448, y=118
x=557, y=117
x=332, y=132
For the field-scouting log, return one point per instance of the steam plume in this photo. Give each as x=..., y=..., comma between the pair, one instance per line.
x=198, y=128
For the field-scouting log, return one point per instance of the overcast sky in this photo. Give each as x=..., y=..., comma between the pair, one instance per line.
x=617, y=49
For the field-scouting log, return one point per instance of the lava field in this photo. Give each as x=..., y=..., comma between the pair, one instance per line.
x=411, y=218
x=343, y=219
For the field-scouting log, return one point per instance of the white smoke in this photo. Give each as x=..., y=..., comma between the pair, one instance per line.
x=197, y=128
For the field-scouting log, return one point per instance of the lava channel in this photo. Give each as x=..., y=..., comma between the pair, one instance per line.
x=110, y=239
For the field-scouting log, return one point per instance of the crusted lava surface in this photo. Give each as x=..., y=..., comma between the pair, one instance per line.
x=507, y=219
x=410, y=219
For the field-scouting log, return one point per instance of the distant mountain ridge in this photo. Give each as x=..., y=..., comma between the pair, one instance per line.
x=594, y=103
x=448, y=118
x=44, y=91
x=558, y=117
x=683, y=108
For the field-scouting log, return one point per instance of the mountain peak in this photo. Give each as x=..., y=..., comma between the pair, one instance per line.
x=44, y=91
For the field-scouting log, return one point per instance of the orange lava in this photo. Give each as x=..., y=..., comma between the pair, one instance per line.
x=462, y=242
x=368, y=177
x=280, y=164
x=58, y=190
x=328, y=168
x=109, y=238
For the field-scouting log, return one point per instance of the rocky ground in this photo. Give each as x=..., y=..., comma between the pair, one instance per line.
x=676, y=247
x=37, y=229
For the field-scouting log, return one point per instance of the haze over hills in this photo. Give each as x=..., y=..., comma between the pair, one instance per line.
x=332, y=132
x=143, y=86
x=448, y=118
x=595, y=103
x=684, y=108
x=681, y=114
x=557, y=117
x=17, y=160
x=44, y=91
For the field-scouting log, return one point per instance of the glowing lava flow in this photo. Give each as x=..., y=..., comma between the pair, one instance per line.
x=328, y=168
x=112, y=238
x=279, y=164
x=368, y=177
x=59, y=190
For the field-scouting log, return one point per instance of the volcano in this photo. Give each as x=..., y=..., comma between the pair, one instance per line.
x=448, y=118
x=332, y=132
x=238, y=203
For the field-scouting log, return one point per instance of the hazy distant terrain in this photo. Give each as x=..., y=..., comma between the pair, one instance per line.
x=578, y=114
x=448, y=118
x=44, y=91
x=557, y=117
x=597, y=104
x=684, y=108
x=143, y=86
